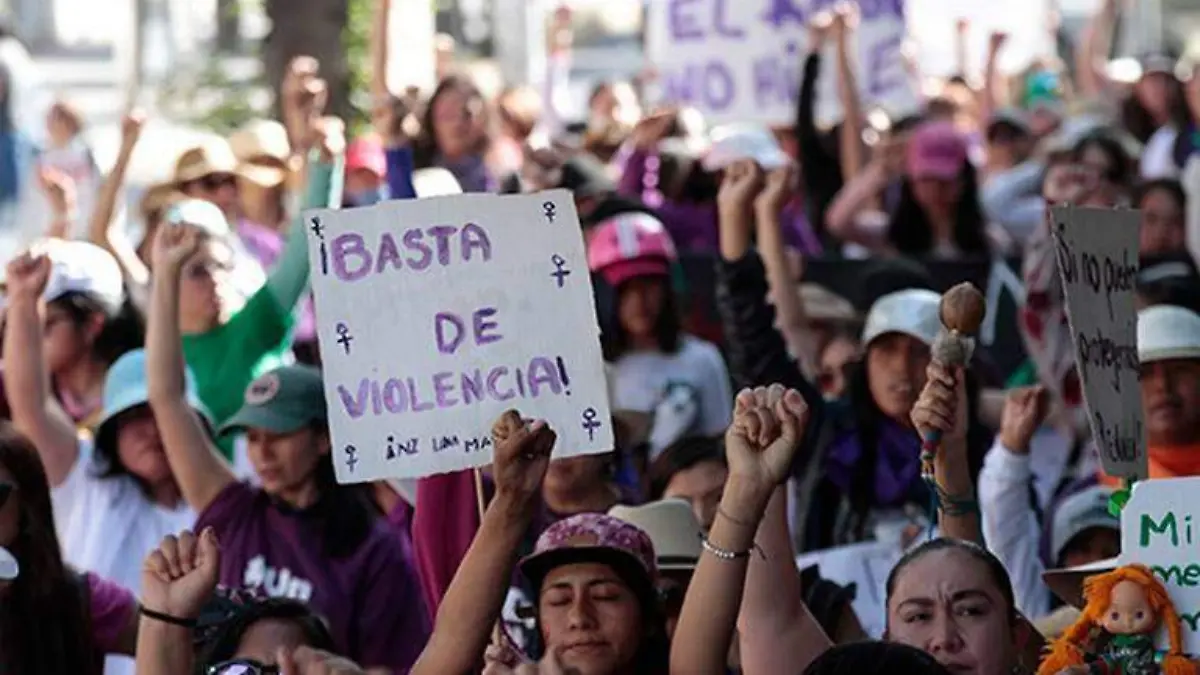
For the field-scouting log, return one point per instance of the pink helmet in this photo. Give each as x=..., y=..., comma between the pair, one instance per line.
x=628, y=245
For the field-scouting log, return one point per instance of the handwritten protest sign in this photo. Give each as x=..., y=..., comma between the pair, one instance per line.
x=740, y=61
x=865, y=565
x=1097, y=256
x=1160, y=528
x=436, y=315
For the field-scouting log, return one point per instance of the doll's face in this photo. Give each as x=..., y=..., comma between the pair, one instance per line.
x=1128, y=613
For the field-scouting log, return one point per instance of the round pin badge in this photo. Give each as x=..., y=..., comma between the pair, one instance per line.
x=263, y=389
x=9, y=568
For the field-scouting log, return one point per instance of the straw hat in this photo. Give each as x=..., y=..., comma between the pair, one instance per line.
x=262, y=151
x=214, y=157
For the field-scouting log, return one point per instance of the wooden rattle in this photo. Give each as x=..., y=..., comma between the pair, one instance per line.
x=961, y=312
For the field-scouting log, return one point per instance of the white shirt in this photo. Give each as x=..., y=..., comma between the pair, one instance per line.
x=640, y=381
x=108, y=526
x=1158, y=156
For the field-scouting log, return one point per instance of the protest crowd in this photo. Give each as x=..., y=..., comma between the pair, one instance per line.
x=818, y=453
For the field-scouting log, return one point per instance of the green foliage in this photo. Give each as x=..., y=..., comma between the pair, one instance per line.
x=355, y=37
x=211, y=98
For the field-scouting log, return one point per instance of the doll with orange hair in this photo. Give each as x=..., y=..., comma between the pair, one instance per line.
x=1115, y=632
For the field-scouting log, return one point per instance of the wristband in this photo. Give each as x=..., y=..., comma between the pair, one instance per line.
x=725, y=554
x=167, y=618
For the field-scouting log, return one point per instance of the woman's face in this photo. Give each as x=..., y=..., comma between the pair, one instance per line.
x=455, y=123
x=263, y=639
x=576, y=475
x=140, y=447
x=1162, y=229
x=938, y=195
x=1153, y=92
x=701, y=485
x=834, y=358
x=58, y=128
x=1171, y=401
x=64, y=341
x=591, y=617
x=639, y=305
x=896, y=366
x=219, y=188
x=10, y=508
x=285, y=463
x=946, y=604
x=200, y=296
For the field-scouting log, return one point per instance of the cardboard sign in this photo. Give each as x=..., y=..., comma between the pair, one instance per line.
x=865, y=565
x=437, y=315
x=1097, y=256
x=1160, y=528
x=741, y=61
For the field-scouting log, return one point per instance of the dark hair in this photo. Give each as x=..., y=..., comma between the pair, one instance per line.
x=425, y=148
x=345, y=513
x=223, y=643
x=875, y=658
x=668, y=329
x=911, y=233
x=1123, y=169
x=826, y=600
x=122, y=332
x=1171, y=186
x=1138, y=121
x=995, y=569
x=43, y=619
x=682, y=455
x=868, y=421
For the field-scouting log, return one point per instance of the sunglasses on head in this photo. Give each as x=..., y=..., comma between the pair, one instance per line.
x=243, y=667
x=6, y=491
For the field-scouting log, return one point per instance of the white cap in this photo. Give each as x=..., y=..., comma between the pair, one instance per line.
x=673, y=530
x=435, y=182
x=1083, y=510
x=733, y=142
x=913, y=312
x=83, y=267
x=1168, y=332
x=202, y=214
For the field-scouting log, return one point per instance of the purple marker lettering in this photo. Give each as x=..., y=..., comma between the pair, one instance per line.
x=520, y=382
x=493, y=383
x=351, y=259
x=719, y=87
x=445, y=344
x=388, y=254
x=782, y=11
x=483, y=324
x=376, y=398
x=682, y=18
x=442, y=234
x=414, y=241
x=765, y=73
x=415, y=404
x=543, y=372
x=720, y=22
x=393, y=396
x=355, y=404
x=475, y=237
x=443, y=390
x=472, y=386
x=881, y=78
x=679, y=85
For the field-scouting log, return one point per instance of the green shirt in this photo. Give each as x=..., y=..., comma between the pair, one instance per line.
x=226, y=359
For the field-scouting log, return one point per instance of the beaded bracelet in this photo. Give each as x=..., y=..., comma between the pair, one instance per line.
x=955, y=506
x=727, y=555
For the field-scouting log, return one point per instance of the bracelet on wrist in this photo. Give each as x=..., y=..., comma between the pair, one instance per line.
x=727, y=555
x=955, y=505
x=167, y=618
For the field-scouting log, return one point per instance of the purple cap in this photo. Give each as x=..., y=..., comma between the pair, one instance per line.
x=595, y=538
x=936, y=150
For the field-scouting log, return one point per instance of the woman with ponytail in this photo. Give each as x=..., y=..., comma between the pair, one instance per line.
x=1124, y=608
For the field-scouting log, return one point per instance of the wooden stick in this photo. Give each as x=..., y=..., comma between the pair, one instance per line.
x=498, y=634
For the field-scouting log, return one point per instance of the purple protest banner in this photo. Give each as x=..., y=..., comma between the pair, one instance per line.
x=437, y=315
x=740, y=61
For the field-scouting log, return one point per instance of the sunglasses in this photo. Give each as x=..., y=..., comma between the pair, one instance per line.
x=243, y=667
x=217, y=181
x=6, y=491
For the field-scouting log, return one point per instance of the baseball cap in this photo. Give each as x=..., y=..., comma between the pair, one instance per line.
x=85, y=268
x=281, y=401
x=199, y=213
x=1166, y=332
x=595, y=538
x=366, y=152
x=936, y=150
x=913, y=312
x=1081, y=511
x=673, y=529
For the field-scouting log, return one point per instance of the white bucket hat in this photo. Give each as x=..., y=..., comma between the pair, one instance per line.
x=673, y=530
x=733, y=142
x=913, y=312
x=1168, y=332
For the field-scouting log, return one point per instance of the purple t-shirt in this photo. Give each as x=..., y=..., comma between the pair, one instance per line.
x=112, y=609
x=371, y=599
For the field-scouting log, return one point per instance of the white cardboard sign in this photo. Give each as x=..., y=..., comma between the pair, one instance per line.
x=865, y=565
x=741, y=60
x=1160, y=528
x=437, y=315
x=1097, y=256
